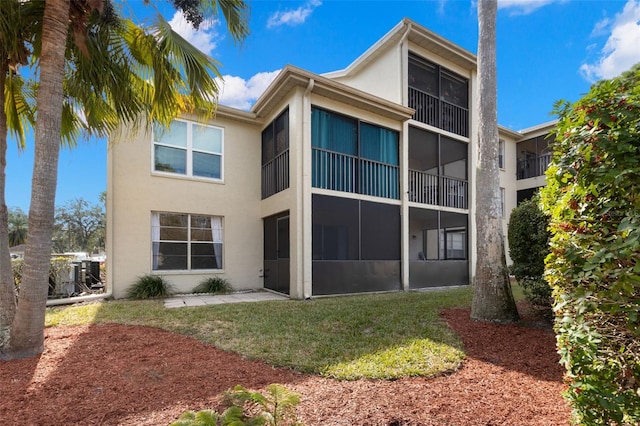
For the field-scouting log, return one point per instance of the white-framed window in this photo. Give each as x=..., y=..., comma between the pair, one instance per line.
x=189, y=149
x=185, y=242
x=502, y=208
x=501, y=153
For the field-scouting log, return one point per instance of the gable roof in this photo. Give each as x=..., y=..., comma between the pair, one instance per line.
x=418, y=35
x=291, y=77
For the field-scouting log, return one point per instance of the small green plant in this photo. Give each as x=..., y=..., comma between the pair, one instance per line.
x=276, y=407
x=213, y=285
x=148, y=287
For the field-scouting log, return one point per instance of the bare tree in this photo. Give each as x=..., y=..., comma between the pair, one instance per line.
x=492, y=297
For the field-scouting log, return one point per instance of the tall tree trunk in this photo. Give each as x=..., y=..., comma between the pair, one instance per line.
x=27, y=331
x=7, y=288
x=492, y=297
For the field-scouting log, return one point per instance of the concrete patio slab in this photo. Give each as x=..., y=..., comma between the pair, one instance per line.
x=186, y=300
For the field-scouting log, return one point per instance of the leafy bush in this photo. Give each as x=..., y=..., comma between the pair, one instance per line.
x=593, y=198
x=213, y=285
x=275, y=408
x=528, y=246
x=149, y=286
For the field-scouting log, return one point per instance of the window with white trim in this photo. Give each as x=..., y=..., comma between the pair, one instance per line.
x=184, y=242
x=188, y=149
x=501, y=153
x=502, y=197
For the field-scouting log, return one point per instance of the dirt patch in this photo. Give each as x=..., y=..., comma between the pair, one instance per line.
x=130, y=375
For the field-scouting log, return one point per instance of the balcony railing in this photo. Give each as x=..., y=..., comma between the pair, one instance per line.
x=347, y=173
x=534, y=166
x=445, y=191
x=439, y=113
x=275, y=175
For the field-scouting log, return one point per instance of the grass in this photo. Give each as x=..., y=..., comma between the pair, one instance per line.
x=383, y=336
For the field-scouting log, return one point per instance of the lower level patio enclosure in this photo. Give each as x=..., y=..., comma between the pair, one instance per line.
x=357, y=247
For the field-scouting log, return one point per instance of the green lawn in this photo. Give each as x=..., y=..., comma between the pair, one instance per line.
x=368, y=336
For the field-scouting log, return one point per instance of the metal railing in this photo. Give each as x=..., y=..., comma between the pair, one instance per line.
x=439, y=113
x=275, y=175
x=348, y=173
x=534, y=166
x=445, y=191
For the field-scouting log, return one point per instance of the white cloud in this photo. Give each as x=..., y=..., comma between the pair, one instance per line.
x=293, y=17
x=239, y=93
x=621, y=51
x=523, y=7
x=202, y=38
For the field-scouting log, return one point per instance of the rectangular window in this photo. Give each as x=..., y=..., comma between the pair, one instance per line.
x=502, y=208
x=188, y=149
x=501, y=153
x=184, y=242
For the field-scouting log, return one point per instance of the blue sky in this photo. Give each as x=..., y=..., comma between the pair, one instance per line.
x=547, y=50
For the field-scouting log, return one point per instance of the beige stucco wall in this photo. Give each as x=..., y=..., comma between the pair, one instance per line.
x=134, y=191
x=380, y=76
x=509, y=183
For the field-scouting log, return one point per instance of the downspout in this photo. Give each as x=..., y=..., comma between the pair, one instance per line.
x=306, y=192
x=402, y=63
x=404, y=163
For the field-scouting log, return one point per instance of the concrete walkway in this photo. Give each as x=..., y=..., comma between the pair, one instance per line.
x=185, y=300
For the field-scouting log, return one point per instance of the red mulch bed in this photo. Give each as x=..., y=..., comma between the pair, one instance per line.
x=129, y=375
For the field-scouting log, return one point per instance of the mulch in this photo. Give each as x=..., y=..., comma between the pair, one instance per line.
x=132, y=375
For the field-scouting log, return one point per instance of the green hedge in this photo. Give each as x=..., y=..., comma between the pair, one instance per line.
x=593, y=198
x=528, y=247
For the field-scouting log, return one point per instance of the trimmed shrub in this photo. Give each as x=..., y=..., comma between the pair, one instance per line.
x=213, y=285
x=148, y=287
x=593, y=199
x=528, y=246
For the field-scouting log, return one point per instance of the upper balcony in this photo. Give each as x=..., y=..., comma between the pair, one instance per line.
x=533, y=166
x=440, y=97
x=439, y=113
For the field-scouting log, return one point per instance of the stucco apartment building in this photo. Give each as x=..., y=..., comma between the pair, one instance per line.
x=359, y=180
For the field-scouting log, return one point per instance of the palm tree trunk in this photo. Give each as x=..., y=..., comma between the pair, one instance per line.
x=7, y=288
x=27, y=331
x=492, y=297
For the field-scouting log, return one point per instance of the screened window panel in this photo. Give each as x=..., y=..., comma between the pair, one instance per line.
x=170, y=256
x=380, y=231
x=282, y=132
x=206, y=139
x=268, y=145
x=168, y=159
x=336, y=227
x=207, y=165
x=454, y=90
x=454, y=158
x=176, y=135
x=334, y=132
x=423, y=75
x=423, y=151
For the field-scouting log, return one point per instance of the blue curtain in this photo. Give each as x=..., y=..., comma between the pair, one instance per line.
x=333, y=132
x=378, y=144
